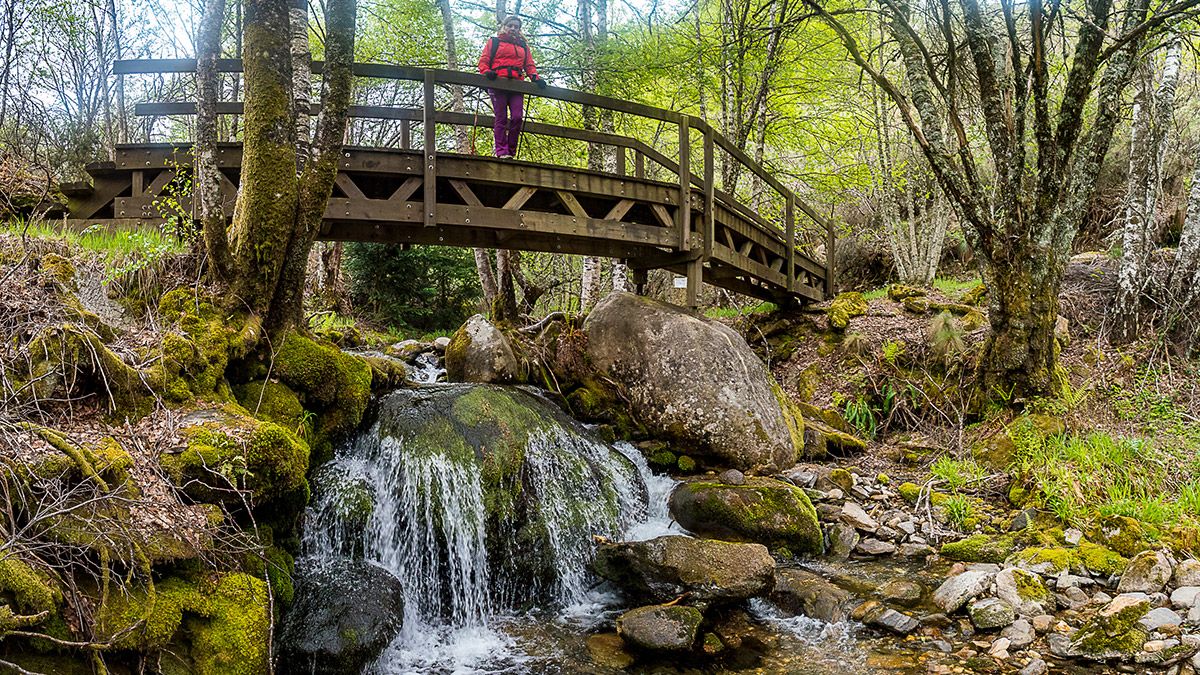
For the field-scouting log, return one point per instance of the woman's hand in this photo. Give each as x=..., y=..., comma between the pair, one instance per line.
x=539, y=82
x=491, y=74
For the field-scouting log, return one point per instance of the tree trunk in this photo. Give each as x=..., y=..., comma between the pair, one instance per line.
x=589, y=287
x=505, y=306
x=1021, y=354
x=301, y=79
x=209, y=201
x=1185, y=275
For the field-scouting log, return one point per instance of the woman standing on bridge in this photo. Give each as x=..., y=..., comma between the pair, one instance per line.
x=507, y=55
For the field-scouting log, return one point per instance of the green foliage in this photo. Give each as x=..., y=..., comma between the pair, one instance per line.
x=959, y=511
x=861, y=415
x=732, y=312
x=425, y=287
x=958, y=474
x=892, y=351
x=125, y=251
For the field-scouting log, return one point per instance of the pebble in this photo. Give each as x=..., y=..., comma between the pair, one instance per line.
x=907, y=527
x=803, y=478
x=999, y=648
x=1035, y=667
x=842, y=540
x=1020, y=634
x=886, y=532
x=902, y=591
x=1159, y=617
x=915, y=550
x=1072, y=536
x=835, y=493
x=855, y=515
x=1059, y=644
x=875, y=547
x=732, y=477
x=1043, y=623
x=1187, y=573
x=942, y=646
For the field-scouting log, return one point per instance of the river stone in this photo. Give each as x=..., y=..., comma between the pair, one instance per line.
x=480, y=352
x=609, y=650
x=803, y=592
x=763, y=510
x=343, y=614
x=855, y=515
x=1184, y=597
x=842, y=540
x=1035, y=667
x=989, y=613
x=1024, y=591
x=902, y=591
x=957, y=590
x=875, y=547
x=712, y=572
x=1159, y=617
x=661, y=628
x=1114, y=632
x=1187, y=573
x=1147, y=572
x=1020, y=634
x=732, y=477
x=441, y=343
x=695, y=381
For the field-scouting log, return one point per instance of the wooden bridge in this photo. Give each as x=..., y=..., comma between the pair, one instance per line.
x=651, y=209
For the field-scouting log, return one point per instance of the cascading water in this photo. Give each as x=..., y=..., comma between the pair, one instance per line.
x=483, y=501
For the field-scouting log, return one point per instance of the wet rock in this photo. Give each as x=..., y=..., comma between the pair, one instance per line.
x=854, y=514
x=990, y=613
x=802, y=592
x=763, y=510
x=1147, y=572
x=842, y=540
x=480, y=352
x=999, y=648
x=343, y=614
x=732, y=477
x=1024, y=591
x=875, y=547
x=914, y=550
x=1020, y=634
x=804, y=478
x=889, y=619
x=661, y=628
x=441, y=343
x=609, y=651
x=957, y=590
x=662, y=569
x=731, y=410
x=902, y=592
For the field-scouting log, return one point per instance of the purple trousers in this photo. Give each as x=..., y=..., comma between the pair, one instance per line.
x=508, y=109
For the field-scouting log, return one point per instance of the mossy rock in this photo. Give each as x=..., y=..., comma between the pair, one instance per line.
x=844, y=307
x=194, y=358
x=1119, y=533
x=57, y=270
x=974, y=296
x=28, y=590
x=1113, y=633
x=335, y=385
x=762, y=510
x=71, y=361
x=827, y=433
x=1100, y=559
x=1050, y=560
x=978, y=548
x=996, y=452
x=272, y=401
x=228, y=447
x=221, y=623
x=898, y=292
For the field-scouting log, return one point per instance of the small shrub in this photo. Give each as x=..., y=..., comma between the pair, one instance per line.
x=959, y=510
x=956, y=473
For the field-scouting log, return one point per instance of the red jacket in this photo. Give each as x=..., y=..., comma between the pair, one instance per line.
x=512, y=59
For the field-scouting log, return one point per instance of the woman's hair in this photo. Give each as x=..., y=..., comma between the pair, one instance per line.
x=510, y=17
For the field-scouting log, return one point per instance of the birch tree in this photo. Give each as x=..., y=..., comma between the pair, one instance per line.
x=1152, y=116
x=1021, y=192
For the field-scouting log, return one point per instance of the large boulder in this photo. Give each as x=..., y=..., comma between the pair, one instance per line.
x=694, y=381
x=660, y=627
x=761, y=510
x=345, y=613
x=1114, y=632
x=480, y=352
x=802, y=592
x=711, y=572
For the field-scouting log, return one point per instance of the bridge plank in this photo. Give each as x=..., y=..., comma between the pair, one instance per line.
x=519, y=198
x=465, y=192
x=406, y=189
x=346, y=183
x=571, y=203
x=619, y=210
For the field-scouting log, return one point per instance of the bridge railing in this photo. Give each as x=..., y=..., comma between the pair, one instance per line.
x=689, y=172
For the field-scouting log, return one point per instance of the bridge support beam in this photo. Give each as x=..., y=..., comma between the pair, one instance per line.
x=695, y=275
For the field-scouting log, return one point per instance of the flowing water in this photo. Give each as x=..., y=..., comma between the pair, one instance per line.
x=421, y=510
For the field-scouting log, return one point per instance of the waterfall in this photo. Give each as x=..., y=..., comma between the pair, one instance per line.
x=424, y=493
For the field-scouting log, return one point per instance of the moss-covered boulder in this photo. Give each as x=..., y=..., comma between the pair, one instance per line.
x=660, y=628
x=1024, y=592
x=762, y=510
x=898, y=292
x=344, y=614
x=331, y=383
x=844, y=307
x=710, y=572
x=215, y=624
x=1114, y=632
x=480, y=352
x=826, y=433
x=694, y=381
x=227, y=450
x=1120, y=533
x=26, y=589
x=272, y=401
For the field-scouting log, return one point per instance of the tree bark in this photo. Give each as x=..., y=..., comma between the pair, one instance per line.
x=209, y=201
x=301, y=79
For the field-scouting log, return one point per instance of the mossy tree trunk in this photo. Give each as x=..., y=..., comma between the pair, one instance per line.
x=278, y=211
x=1022, y=191
x=209, y=201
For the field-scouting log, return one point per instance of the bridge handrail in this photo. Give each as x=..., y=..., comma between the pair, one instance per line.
x=431, y=76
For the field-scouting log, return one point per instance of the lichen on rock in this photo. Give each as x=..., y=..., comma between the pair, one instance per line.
x=762, y=510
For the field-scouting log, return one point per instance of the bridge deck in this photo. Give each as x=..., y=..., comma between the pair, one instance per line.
x=429, y=196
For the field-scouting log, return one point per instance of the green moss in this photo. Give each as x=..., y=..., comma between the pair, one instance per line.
x=842, y=479
x=1100, y=559
x=883, y=479
x=32, y=592
x=663, y=459
x=686, y=464
x=1120, y=533
x=57, y=269
x=1056, y=559
x=909, y=492
x=334, y=384
x=146, y=619
x=793, y=417
x=979, y=548
x=274, y=402
x=231, y=637
x=762, y=510
x=1030, y=587
x=1118, y=634
x=845, y=307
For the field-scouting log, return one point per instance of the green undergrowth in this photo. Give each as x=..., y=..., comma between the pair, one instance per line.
x=1077, y=477
x=732, y=312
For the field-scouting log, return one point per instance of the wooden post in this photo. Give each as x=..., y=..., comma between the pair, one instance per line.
x=405, y=135
x=430, y=150
x=639, y=164
x=830, y=256
x=790, y=214
x=710, y=198
x=621, y=161
x=683, y=215
x=695, y=275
